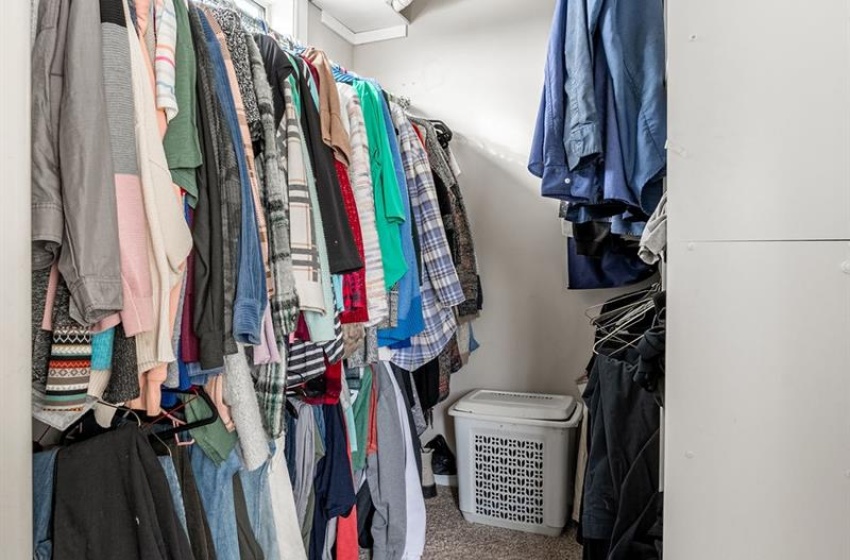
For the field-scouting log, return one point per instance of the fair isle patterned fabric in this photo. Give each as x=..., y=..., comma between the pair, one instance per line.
x=360, y=175
x=69, y=369
x=441, y=288
x=367, y=352
x=306, y=267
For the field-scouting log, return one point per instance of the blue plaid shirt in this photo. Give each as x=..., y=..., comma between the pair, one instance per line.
x=441, y=289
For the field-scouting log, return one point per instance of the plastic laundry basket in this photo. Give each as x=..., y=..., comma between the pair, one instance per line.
x=516, y=457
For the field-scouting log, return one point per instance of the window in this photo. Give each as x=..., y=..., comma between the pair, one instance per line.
x=253, y=8
x=281, y=15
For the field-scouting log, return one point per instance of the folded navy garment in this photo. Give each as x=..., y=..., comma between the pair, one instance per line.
x=618, y=265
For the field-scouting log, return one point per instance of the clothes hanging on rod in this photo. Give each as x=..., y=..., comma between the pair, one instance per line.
x=600, y=140
x=621, y=506
x=256, y=268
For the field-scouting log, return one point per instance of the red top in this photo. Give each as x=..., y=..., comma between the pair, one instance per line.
x=354, y=283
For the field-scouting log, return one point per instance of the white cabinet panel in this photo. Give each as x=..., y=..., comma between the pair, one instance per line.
x=758, y=401
x=759, y=135
x=15, y=373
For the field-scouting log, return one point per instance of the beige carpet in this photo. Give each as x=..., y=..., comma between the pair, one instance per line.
x=451, y=537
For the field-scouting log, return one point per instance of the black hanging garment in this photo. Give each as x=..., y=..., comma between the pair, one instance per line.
x=200, y=536
x=622, y=506
x=113, y=501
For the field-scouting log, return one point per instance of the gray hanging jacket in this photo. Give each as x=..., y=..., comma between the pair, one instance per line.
x=73, y=183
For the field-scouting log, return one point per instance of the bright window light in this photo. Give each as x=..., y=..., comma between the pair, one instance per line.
x=253, y=8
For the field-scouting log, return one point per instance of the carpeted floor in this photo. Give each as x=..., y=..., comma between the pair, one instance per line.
x=451, y=537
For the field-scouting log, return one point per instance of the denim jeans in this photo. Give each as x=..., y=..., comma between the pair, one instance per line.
x=174, y=486
x=43, y=465
x=215, y=485
x=258, y=499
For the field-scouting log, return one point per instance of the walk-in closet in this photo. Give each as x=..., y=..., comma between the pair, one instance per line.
x=425, y=280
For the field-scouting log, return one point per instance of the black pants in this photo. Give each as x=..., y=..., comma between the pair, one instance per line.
x=200, y=536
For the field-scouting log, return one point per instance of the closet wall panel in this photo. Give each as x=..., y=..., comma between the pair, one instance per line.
x=15, y=373
x=759, y=129
x=758, y=401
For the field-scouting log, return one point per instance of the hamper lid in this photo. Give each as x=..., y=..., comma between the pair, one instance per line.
x=533, y=406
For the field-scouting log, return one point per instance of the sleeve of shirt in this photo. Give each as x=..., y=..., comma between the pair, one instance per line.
x=583, y=133
x=393, y=205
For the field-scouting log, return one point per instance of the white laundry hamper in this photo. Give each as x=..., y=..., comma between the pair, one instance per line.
x=516, y=458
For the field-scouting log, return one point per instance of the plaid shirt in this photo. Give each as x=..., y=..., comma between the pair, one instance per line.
x=441, y=289
x=270, y=385
x=321, y=324
x=306, y=266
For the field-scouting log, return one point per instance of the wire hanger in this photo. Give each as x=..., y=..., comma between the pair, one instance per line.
x=615, y=335
x=635, y=314
x=641, y=296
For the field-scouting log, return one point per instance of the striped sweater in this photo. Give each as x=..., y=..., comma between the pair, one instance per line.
x=165, y=66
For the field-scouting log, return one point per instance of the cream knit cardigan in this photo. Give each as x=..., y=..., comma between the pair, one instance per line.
x=171, y=239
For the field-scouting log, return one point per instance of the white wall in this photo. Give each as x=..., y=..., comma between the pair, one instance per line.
x=15, y=373
x=319, y=36
x=478, y=65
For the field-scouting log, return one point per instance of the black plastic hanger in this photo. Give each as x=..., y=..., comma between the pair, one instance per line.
x=203, y=395
x=444, y=133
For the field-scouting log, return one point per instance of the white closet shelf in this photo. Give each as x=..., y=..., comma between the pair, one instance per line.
x=363, y=21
